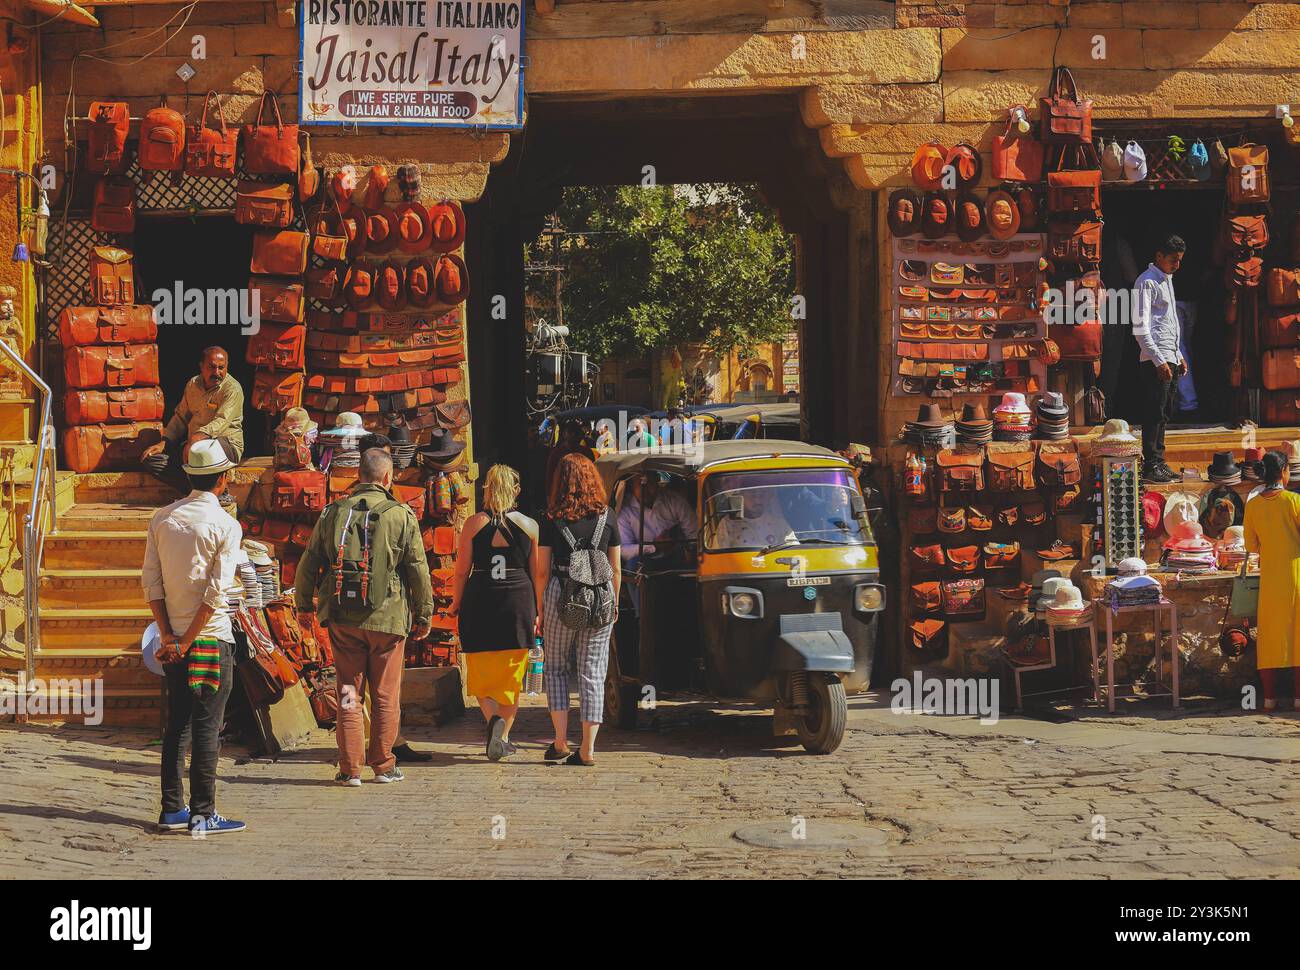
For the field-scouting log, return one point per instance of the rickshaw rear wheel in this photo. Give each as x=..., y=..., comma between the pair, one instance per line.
x=620, y=699
x=821, y=730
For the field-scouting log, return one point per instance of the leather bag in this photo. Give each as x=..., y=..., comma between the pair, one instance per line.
x=1281, y=329
x=1074, y=193
x=282, y=253
x=210, y=152
x=270, y=149
x=1017, y=157
x=264, y=204
x=1058, y=466
x=323, y=283
x=162, y=140
x=1069, y=242
x=278, y=301
x=1001, y=555
x=89, y=325
x=928, y=636
x=1283, y=287
x=925, y=560
x=1245, y=232
x=282, y=346
x=298, y=491
x=1011, y=471
x=452, y=415
x=1244, y=274
x=1064, y=117
x=108, y=447
x=110, y=123
x=290, y=449
x=112, y=276
x=113, y=407
x=1077, y=341
x=259, y=673
x=1280, y=369
x=118, y=365
x=927, y=598
x=113, y=209
x=962, y=559
x=960, y=471
x=963, y=599
x=1248, y=179
x=275, y=392
x=1281, y=407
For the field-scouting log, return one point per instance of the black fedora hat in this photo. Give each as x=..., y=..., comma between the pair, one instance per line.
x=1224, y=467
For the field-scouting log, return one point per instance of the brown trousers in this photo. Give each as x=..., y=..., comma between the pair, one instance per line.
x=366, y=657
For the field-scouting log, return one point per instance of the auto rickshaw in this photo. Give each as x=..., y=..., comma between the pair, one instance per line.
x=775, y=600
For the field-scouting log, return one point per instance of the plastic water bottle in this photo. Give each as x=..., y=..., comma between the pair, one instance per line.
x=533, y=676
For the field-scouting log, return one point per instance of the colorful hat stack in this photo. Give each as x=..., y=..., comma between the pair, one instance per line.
x=1252, y=463
x=344, y=440
x=1224, y=470
x=1053, y=417
x=403, y=446
x=930, y=428
x=974, y=427
x=1187, y=550
x=1012, y=419
x=1116, y=441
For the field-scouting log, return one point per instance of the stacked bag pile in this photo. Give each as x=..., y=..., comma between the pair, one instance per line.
x=1280, y=339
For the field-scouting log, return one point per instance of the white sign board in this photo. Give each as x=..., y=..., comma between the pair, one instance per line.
x=445, y=63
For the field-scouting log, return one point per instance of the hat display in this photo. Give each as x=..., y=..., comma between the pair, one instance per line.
x=1002, y=215
x=413, y=228
x=1053, y=416
x=1231, y=551
x=1224, y=469
x=344, y=440
x=1181, y=507
x=1153, y=513
x=966, y=164
x=402, y=446
x=1117, y=441
x=1132, y=566
x=421, y=291
x=207, y=457
x=390, y=285
x=904, y=213
x=446, y=226
x=376, y=185
x=258, y=554
x=1252, y=461
x=1048, y=592
x=442, y=449
x=1187, y=549
x=1068, y=604
x=936, y=216
x=450, y=279
x=974, y=426
x=1292, y=451
x=927, y=165
x=970, y=218
x=1012, y=419
x=930, y=427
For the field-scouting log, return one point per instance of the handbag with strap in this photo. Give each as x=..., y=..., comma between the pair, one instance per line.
x=1076, y=192
x=259, y=673
x=298, y=491
x=108, y=447
x=1011, y=471
x=110, y=123
x=927, y=597
x=263, y=204
x=91, y=325
x=271, y=149
x=279, y=253
x=1069, y=242
x=116, y=365
x=1245, y=594
x=1245, y=232
x=275, y=392
x=926, y=560
x=1058, y=465
x=277, y=301
x=1065, y=118
x=1247, y=178
x=1017, y=157
x=210, y=152
x=963, y=599
x=962, y=559
x=113, y=407
x=1280, y=369
x=1001, y=555
x=112, y=276
x=1283, y=287
x=279, y=345
x=113, y=209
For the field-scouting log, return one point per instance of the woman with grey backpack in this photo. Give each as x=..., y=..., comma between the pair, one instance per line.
x=578, y=550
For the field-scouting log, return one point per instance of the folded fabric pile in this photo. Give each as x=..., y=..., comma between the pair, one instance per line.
x=1012, y=419
x=1133, y=591
x=247, y=575
x=930, y=428
x=1188, y=551
x=1053, y=417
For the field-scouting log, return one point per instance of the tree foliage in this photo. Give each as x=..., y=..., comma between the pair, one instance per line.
x=659, y=267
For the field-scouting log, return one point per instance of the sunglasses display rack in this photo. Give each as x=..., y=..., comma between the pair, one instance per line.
x=966, y=316
x=1121, y=484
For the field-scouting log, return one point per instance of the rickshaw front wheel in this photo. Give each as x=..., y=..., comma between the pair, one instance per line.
x=821, y=730
x=621, y=699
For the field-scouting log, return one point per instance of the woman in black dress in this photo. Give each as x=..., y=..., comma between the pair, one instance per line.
x=496, y=603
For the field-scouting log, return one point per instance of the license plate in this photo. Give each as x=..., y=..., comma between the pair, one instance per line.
x=808, y=581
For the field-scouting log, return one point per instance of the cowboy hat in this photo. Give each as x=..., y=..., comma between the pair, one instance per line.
x=936, y=216
x=451, y=279
x=381, y=230
x=447, y=225
x=1224, y=468
x=904, y=212
x=970, y=218
x=421, y=292
x=413, y=227
x=390, y=285
x=207, y=457
x=927, y=166
x=966, y=164
x=1001, y=215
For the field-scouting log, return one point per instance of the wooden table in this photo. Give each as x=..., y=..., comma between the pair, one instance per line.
x=1155, y=609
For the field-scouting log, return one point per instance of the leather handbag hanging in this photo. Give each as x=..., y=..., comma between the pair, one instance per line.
x=1065, y=118
x=112, y=276
x=1077, y=341
x=210, y=152
x=1244, y=274
x=963, y=599
x=926, y=598
x=113, y=209
x=279, y=345
x=279, y=253
x=299, y=491
x=113, y=407
x=452, y=415
x=324, y=282
x=1283, y=287
x=1069, y=242
x=1011, y=471
x=162, y=139
x=1281, y=407
x=960, y=471
x=1058, y=466
x=925, y=560
x=962, y=559
x=1245, y=232
x=1281, y=329
x=119, y=365
x=263, y=204
x=87, y=325
x=261, y=674
x=1280, y=369
x=1077, y=192
x=1001, y=555
x=309, y=180
x=1248, y=179
x=270, y=149
x=329, y=239
x=278, y=301
x=110, y=122
x=1017, y=157
x=275, y=392
x=928, y=636
x=108, y=447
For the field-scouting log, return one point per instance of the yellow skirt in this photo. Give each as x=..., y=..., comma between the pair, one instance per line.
x=498, y=674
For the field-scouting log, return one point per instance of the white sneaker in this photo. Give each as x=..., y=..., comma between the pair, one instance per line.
x=349, y=781
x=388, y=777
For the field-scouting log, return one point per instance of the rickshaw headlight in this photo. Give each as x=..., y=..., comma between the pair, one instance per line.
x=869, y=599
x=744, y=604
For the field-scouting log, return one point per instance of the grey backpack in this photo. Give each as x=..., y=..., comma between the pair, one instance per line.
x=587, y=590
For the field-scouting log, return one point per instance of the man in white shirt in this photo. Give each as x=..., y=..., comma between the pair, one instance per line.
x=1156, y=328
x=668, y=516
x=189, y=569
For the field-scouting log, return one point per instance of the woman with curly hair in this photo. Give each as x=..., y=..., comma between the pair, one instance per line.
x=578, y=517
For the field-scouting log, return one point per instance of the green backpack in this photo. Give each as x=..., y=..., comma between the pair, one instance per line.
x=362, y=571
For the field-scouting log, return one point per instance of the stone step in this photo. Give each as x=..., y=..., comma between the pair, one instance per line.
x=117, y=667
x=107, y=517
x=122, y=708
x=71, y=630
x=94, y=549
x=72, y=588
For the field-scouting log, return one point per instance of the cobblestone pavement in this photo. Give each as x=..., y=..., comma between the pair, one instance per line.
x=702, y=794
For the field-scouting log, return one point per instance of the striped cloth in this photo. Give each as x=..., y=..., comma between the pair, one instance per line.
x=205, y=665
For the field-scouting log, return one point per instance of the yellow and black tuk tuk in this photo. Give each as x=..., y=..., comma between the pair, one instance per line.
x=775, y=598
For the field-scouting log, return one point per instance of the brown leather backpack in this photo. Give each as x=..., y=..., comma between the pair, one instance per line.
x=110, y=122
x=270, y=149
x=1247, y=176
x=162, y=140
x=1069, y=242
x=280, y=302
x=113, y=210
x=1011, y=471
x=1245, y=232
x=112, y=276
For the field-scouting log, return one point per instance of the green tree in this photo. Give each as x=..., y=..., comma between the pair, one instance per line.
x=653, y=268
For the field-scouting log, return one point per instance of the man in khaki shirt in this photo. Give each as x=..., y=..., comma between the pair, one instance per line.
x=211, y=407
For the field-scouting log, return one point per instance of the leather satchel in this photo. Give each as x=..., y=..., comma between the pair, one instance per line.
x=1245, y=232
x=1058, y=466
x=962, y=559
x=113, y=209
x=118, y=365
x=282, y=253
x=1281, y=407
x=927, y=598
x=278, y=345
x=1001, y=555
x=110, y=123
x=1247, y=176
x=108, y=447
x=960, y=471
x=259, y=673
x=1244, y=274
x=963, y=599
x=324, y=283
x=271, y=149
x=277, y=301
x=1065, y=118
x=275, y=392
x=412, y=495
x=113, y=407
x=1077, y=341
x=1281, y=329
x=162, y=140
x=1017, y=157
x=88, y=325
x=1069, y=242
x=1280, y=369
x=112, y=276
x=210, y=152
x=452, y=415
x=263, y=204
x=1074, y=193
x=298, y=491
x=1283, y=287
x=1011, y=471
x=925, y=560
x=927, y=635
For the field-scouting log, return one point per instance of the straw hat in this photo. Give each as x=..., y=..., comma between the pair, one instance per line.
x=207, y=458
x=1133, y=566
x=258, y=554
x=1181, y=507
x=1234, y=537
x=1068, y=603
x=1117, y=441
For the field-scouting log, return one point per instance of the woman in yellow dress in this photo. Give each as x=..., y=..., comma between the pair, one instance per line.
x=1273, y=530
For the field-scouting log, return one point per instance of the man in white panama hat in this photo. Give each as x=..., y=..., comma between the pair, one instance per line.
x=190, y=560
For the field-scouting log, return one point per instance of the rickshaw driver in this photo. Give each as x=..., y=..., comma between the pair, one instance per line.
x=763, y=524
x=668, y=518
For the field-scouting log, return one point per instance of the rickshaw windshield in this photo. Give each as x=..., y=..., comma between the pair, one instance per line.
x=764, y=510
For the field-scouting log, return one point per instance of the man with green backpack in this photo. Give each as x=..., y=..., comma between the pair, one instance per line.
x=365, y=566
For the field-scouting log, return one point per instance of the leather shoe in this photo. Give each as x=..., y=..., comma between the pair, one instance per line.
x=405, y=754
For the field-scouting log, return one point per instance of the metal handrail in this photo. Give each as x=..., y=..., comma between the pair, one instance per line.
x=34, y=521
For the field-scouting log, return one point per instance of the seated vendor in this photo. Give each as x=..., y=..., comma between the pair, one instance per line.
x=761, y=523
x=211, y=407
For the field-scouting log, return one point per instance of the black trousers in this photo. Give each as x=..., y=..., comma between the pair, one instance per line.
x=166, y=467
x=1157, y=407
x=194, y=721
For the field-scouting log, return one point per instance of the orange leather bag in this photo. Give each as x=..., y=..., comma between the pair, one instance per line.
x=1283, y=287
x=210, y=152
x=1281, y=407
x=960, y=472
x=113, y=209
x=110, y=122
x=1011, y=471
x=113, y=407
x=1064, y=117
x=112, y=276
x=1247, y=176
x=1017, y=157
x=108, y=447
x=162, y=140
x=270, y=148
x=280, y=345
x=1069, y=242
x=1281, y=329
x=1280, y=369
x=118, y=365
x=277, y=301
x=87, y=325
x=298, y=491
x=263, y=204
x=274, y=392
x=282, y=253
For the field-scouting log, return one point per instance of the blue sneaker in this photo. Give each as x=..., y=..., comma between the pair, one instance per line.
x=174, y=821
x=201, y=826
